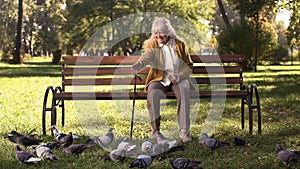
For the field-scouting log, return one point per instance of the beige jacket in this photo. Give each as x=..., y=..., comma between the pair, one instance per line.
x=153, y=56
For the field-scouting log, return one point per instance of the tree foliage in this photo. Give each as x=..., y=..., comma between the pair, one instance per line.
x=293, y=31
x=54, y=26
x=254, y=35
x=86, y=22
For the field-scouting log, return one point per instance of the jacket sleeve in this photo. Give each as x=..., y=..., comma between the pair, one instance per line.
x=187, y=64
x=147, y=55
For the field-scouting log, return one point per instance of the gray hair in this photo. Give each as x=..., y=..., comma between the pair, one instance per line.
x=163, y=25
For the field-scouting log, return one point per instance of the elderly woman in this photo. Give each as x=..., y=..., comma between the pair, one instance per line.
x=170, y=67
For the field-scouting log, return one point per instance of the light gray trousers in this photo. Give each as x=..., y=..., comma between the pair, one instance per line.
x=156, y=92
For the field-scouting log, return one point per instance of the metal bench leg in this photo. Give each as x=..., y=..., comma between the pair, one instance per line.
x=45, y=108
x=63, y=113
x=53, y=112
x=243, y=113
x=257, y=106
x=250, y=116
x=60, y=104
x=247, y=101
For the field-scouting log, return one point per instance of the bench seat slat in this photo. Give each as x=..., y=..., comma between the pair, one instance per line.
x=127, y=81
x=143, y=95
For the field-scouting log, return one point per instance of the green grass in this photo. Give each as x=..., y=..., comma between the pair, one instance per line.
x=22, y=90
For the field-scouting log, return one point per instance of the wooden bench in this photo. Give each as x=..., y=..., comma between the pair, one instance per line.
x=116, y=70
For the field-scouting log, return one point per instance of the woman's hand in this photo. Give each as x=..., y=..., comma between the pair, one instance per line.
x=137, y=66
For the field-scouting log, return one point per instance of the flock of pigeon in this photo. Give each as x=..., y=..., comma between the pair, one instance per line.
x=143, y=156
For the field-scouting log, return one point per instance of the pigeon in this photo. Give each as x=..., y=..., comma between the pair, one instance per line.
x=116, y=155
x=25, y=140
x=25, y=157
x=162, y=150
x=129, y=149
x=105, y=140
x=57, y=134
x=142, y=161
x=76, y=149
x=146, y=147
x=211, y=143
x=52, y=145
x=55, y=131
x=161, y=139
x=287, y=156
x=184, y=163
x=124, y=150
x=65, y=140
x=43, y=152
x=158, y=149
x=239, y=141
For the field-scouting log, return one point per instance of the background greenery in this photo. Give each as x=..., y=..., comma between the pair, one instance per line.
x=22, y=90
x=244, y=27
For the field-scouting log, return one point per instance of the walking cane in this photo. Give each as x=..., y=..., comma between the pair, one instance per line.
x=133, y=103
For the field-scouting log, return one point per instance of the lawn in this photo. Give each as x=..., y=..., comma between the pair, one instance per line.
x=22, y=90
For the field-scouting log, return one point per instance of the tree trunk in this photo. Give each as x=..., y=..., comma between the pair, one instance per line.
x=256, y=41
x=223, y=12
x=17, y=56
x=292, y=55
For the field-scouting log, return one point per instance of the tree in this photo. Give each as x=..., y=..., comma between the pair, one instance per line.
x=50, y=20
x=293, y=30
x=256, y=19
x=240, y=39
x=17, y=56
x=224, y=13
x=82, y=23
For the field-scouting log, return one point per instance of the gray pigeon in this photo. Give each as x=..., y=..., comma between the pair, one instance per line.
x=25, y=140
x=287, y=156
x=124, y=150
x=25, y=157
x=76, y=149
x=211, y=143
x=65, y=140
x=142, y=161
x=130, y=149
x=146, y=147
x=55, y=131
x=44, y=152
x=57, y=134
x=162, y=150
x=161, y=139
x=239, y=141
x=184, y=163
x=116, y=155
x=105, y=140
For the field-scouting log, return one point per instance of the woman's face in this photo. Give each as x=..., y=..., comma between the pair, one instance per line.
x=161, y=38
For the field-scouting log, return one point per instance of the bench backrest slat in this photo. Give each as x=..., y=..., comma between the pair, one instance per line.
x=116, y=70
x=99, y=60
x=72, y=71
x=217, y=58
x=116, y=60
